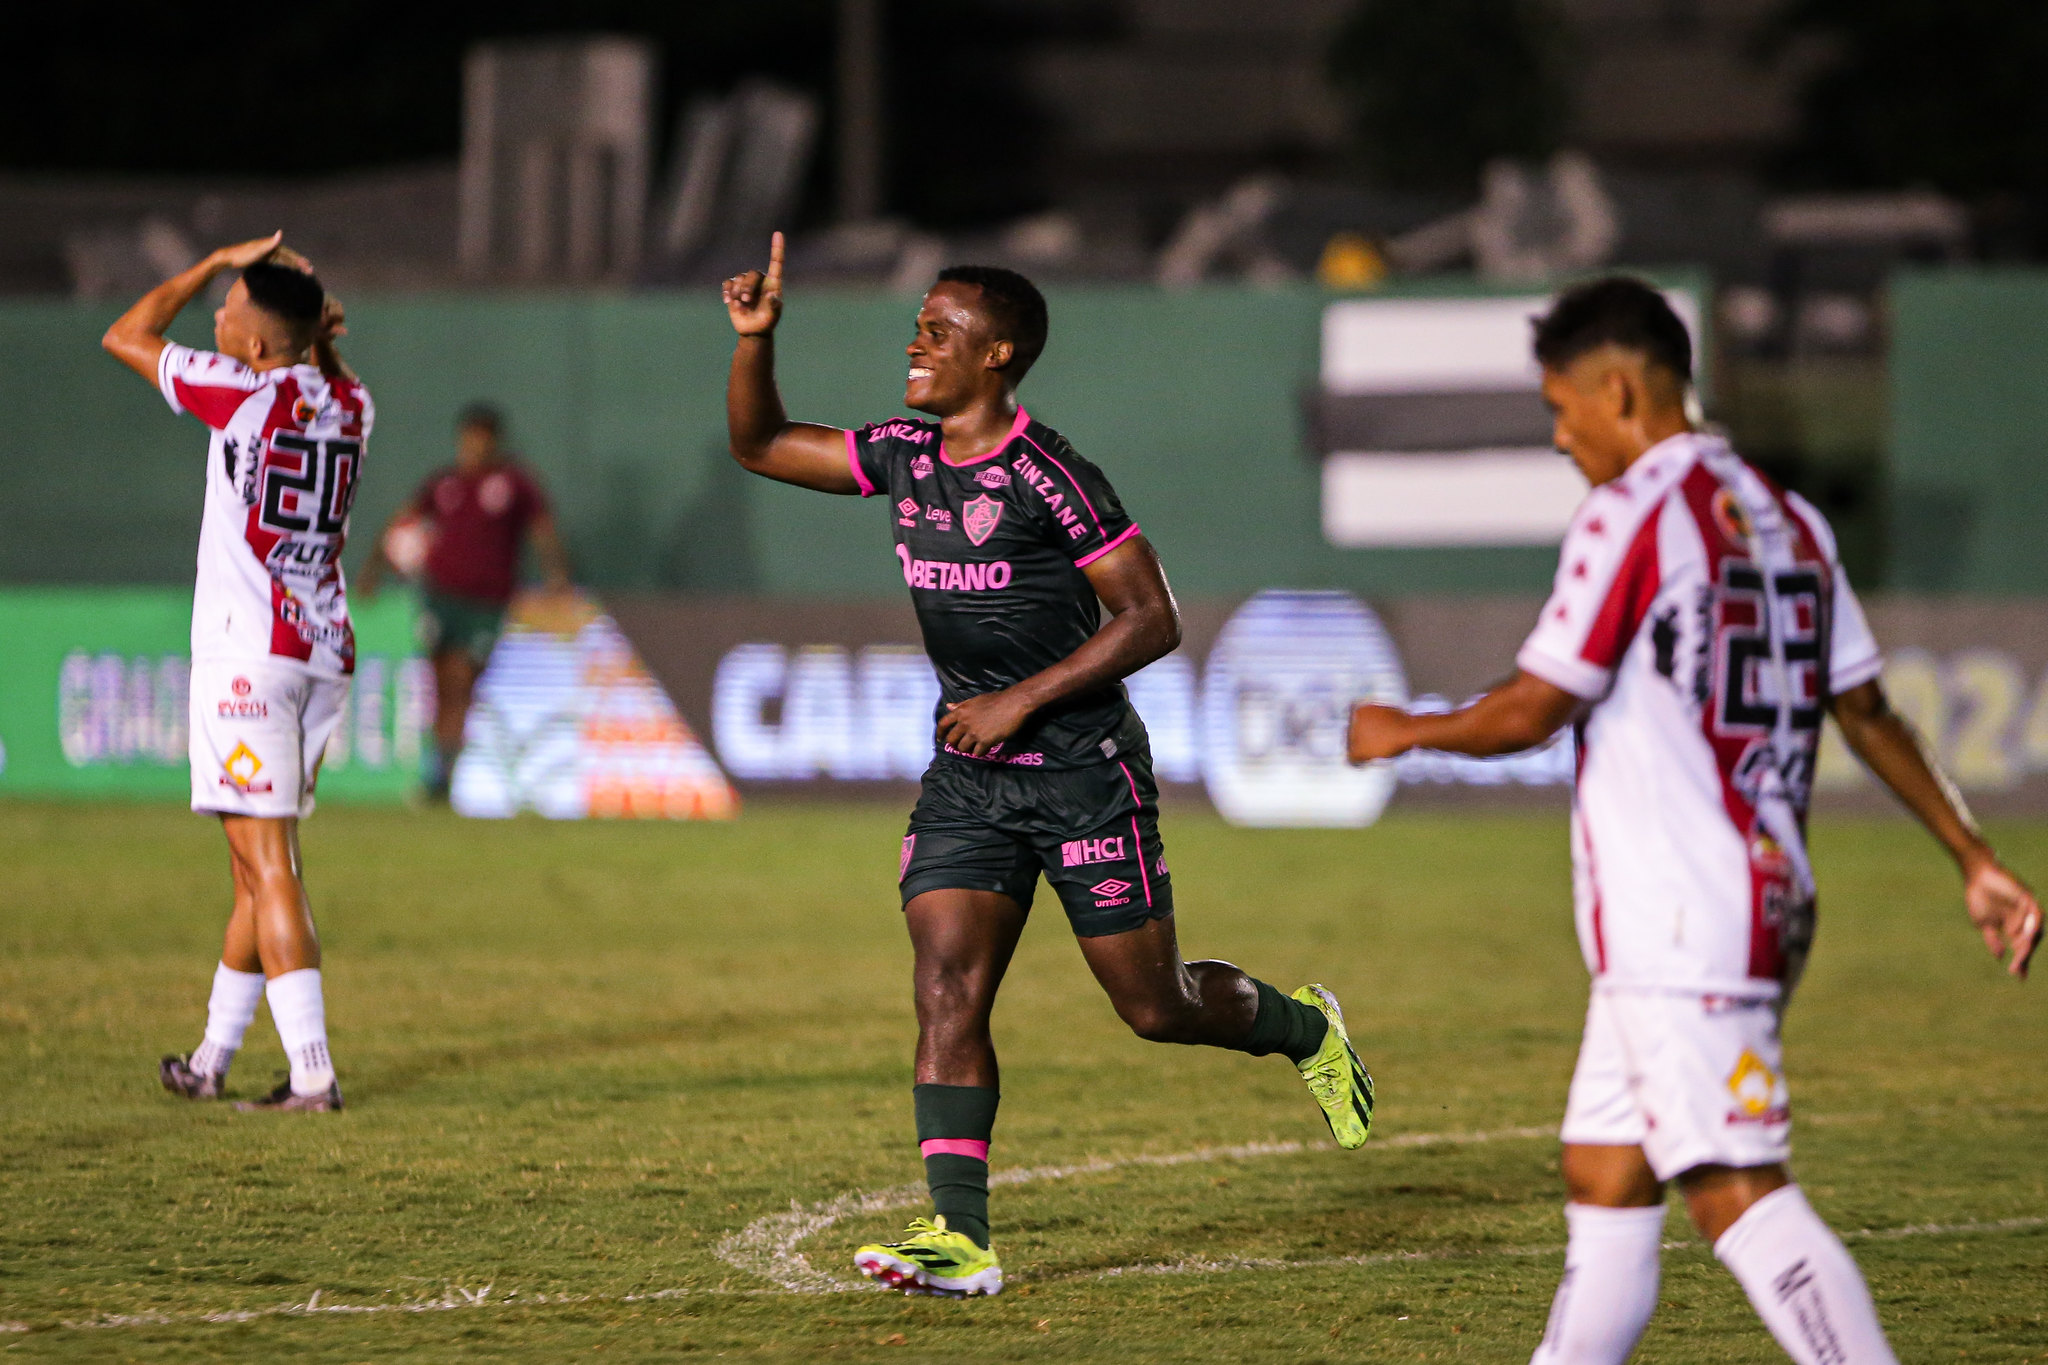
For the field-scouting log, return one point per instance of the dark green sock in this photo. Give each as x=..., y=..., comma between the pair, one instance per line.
x=953, y=1127
x=1286, y=1026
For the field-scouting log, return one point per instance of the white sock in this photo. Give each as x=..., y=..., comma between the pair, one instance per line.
x=228, y=1012
x=300, y=1013
x=1803, y=1283
x=1611, y=1270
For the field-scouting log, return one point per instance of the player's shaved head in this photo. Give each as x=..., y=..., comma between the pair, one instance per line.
x=1620, y=312
x=293, y=298
x=1014, y=309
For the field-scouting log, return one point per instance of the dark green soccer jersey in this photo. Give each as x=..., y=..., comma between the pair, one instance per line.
x=992, y=550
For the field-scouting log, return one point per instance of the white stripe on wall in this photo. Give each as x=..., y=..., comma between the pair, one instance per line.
x=1473, y=497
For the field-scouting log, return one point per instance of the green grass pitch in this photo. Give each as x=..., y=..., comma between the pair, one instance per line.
x=608, y=1083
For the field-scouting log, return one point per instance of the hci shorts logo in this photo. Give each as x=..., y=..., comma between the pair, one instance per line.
x=1080, y=852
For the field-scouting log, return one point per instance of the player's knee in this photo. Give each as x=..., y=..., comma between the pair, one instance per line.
x=945, y=997
x=1155, y=1021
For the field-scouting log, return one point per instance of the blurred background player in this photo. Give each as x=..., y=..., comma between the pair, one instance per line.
x=272, y=647
x=462, y=534
x=1699, y=630
x=1036, y=596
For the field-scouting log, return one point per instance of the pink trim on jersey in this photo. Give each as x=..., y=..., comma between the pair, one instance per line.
x=1016, y=430
x=1137, y=840
x=1085, y=560
x=867, y=490
x=973, y=1147
x=1636, y=581
x=1079, y=491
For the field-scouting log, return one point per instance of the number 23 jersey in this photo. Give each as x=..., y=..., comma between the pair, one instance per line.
x=1707, y=686
x=281, y=474
x=992, y=550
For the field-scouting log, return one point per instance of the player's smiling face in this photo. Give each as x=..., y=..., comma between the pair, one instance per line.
x=953, y=360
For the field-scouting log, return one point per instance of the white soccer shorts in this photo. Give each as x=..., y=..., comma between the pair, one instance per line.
x=258, y=732
x=1692, y=1079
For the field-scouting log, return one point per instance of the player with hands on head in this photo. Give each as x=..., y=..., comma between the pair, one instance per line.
x=272, y=645
x=1013, y=547
x=1700, y=629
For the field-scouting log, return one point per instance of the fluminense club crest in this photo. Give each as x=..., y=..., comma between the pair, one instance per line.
x=979, y=517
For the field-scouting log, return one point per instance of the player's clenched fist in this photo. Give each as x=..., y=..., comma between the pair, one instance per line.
x=754, y=301
x=1377, y=732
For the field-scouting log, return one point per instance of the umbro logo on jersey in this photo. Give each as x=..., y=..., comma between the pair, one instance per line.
x=1080, y=852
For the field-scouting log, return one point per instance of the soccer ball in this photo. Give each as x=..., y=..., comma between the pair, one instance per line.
x=406, y=544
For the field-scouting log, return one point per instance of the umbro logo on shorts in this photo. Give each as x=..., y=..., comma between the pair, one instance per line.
x=1110, y=893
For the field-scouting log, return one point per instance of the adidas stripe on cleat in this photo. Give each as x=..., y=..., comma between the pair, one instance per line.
x=932, y=1260
x=1335, y=1076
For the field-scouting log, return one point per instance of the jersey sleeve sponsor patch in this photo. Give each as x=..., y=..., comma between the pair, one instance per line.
x=1071, y=498
x=210, y=386
x=873, y=450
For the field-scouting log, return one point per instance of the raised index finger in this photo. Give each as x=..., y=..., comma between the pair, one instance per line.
x=775, y=264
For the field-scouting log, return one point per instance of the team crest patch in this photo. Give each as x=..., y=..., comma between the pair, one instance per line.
x=979, y=517
x=1731, y=519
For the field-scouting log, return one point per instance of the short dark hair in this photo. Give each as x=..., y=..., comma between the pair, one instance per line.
x=1014, y=307
x=290, y=295
x=1616, y=311
x=485, y=415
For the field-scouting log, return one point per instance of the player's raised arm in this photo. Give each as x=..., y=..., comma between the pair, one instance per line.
x=1143, y=625
x=764, y=440
x=137, y=337
x=2000, y=904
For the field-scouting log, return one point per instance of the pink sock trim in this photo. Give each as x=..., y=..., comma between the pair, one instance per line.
x=954, y=1147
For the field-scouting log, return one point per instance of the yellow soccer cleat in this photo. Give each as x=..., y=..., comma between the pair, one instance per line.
x=1336, y=1077
x=931, y=1260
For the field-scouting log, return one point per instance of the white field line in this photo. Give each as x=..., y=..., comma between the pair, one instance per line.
x=767, y=1246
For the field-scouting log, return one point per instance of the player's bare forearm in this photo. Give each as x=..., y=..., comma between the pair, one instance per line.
x=554, y=558
x=1144, y=625
x=1520, y=714
x=2000, y=905
x=1892, y=749
x=764, y=440
x=137, y=337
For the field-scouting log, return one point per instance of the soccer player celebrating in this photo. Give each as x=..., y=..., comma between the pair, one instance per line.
x=1699, y=630
x=271, y=643
x=1012, y=546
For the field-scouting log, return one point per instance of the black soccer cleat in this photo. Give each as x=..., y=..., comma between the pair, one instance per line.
x=176, y=1072
x=284, y=1100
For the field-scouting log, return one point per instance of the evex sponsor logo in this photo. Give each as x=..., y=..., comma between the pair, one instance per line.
x=901, y=431
x=241, y=706
x=1040, y=483
x=1110, y=893
x=942, y=575
x=1079, y=852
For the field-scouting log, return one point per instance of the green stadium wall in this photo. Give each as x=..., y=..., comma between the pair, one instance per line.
x=1192, y=401
x=1969, y=431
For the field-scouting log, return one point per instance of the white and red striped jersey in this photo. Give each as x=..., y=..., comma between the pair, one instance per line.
x=281, y=472
x=1704, y=613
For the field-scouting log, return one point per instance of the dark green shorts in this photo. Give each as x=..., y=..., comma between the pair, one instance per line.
x=1093, y=832
x=459, y=625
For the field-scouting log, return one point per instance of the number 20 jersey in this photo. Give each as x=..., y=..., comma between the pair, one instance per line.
x=281, y=474
x=1708, y=687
